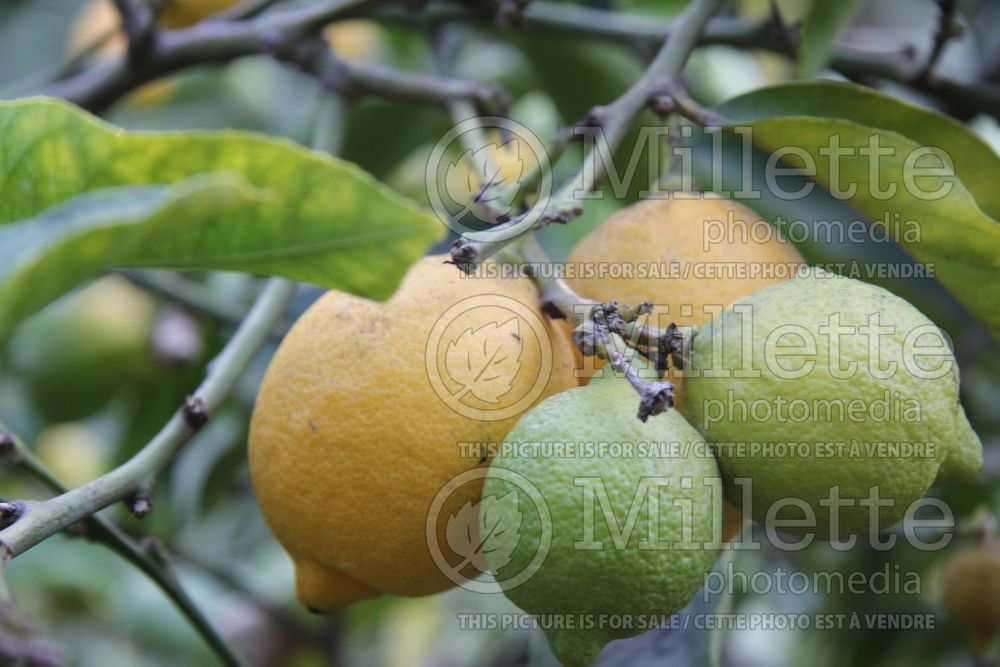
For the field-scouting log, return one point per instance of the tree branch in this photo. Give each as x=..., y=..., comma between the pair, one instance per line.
x=102, y=531
x=357, y=79
x=633, y=30
x=42, y=519
x=139, y=25
x=613, y=120
x=194, y=297
x=205, y=43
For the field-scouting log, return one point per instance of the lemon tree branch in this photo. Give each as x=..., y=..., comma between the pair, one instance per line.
x=613, y=120
x=646, y=32
x=38, y=520
x=103, y=531
x=206, y=43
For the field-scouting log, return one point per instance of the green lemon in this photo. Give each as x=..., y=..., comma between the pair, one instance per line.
x=626, y=516
x=836, y=401
x=76, y=352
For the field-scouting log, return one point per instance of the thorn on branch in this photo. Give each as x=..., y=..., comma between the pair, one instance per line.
x=596, y=117
x=195, y=413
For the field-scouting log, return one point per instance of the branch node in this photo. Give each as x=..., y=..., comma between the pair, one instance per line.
x=195, y=413
x=139, y=506
x=510, y=13
x=464, y=255
x=10, y=512
x=8, y=448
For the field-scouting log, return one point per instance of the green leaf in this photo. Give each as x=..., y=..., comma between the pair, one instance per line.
x=322, y=220
x=954, y=235
x=820, y=26
x=976, y=163
x=43, y=257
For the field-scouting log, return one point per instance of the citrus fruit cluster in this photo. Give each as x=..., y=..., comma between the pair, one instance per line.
x=356, y=427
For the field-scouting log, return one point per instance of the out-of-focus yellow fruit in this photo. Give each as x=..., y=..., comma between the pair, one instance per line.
x=77, y=351
x=98, y=18
x=360, y=421
x=971, y=590
x=184, y=13
x=153, y=94
x=97, y=21
x=360, y=40
x=73, y=451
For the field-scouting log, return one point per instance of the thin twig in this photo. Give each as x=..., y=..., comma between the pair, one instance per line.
x=43, y=519
x=102, y=531
x=139, y=25
x=192, y=296
x=946, y=30
x=613, y=121
x=644, y=32
x=355, y=79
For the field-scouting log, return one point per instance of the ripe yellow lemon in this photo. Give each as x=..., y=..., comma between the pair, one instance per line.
x=689, y=257
x=368, y=409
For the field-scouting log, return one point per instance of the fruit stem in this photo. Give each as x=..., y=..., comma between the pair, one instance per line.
x=603, y=329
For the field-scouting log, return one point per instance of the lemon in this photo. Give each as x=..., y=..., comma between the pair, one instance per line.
x=971, y=592
x=822, y=388
x=690, y=255
x=721, y=251
x=625, y=535
x=699, y=252
x=184, y=13
x=73, y=451
x=77, y=351
x=363, y=413
x=359, y=40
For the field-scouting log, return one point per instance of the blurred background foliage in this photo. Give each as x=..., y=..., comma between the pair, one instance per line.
x=91, y=378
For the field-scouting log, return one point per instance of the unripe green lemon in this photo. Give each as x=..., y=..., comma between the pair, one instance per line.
x=822, y=388
x=75, y=353
x=575, y=506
